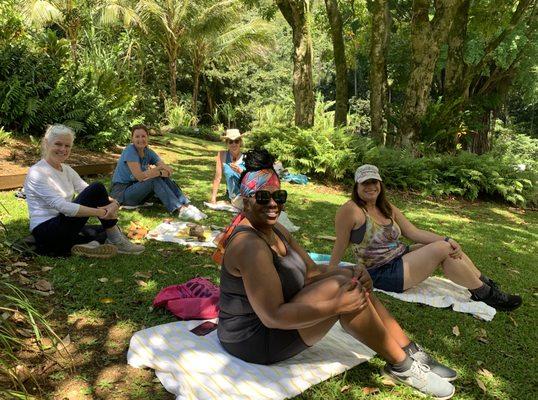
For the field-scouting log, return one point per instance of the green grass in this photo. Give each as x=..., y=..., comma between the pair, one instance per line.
x=502, y=242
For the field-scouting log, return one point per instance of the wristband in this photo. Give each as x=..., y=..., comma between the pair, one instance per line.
x=160, y=172
x=446, y=239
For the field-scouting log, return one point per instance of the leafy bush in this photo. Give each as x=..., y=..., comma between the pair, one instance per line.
x=334, y=153
x=179, y=115
x=5, y=136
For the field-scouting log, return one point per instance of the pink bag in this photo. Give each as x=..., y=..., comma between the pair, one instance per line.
x=195, y=299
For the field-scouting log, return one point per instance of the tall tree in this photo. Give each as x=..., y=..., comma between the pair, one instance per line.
x=67, y=14
x=427, y=38
x=484, y=82
x=378, y=68
x=339, y=54
x=297, y=14
x=214, y=34
x=165, y=20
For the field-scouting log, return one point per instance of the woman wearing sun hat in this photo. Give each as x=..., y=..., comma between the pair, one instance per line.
x=230, y=163
x=374, y=227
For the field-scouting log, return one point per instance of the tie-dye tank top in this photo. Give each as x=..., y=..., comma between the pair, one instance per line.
x=380, y=244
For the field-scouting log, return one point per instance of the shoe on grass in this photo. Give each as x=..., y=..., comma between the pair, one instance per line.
x=191, y=212
x=125, y=246
x=436, y=367
x=499, y=300
x=421, y=378
x=94, y=249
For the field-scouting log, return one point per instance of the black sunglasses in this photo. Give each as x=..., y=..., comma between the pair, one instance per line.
x=263, y=197
x=234, y=141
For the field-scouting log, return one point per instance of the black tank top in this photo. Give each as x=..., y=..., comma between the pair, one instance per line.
x=237, y=319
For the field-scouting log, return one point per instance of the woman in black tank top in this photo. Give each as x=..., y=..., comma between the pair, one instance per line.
x=276, y=302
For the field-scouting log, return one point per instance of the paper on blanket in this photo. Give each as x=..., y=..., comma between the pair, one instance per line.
x=440, y=292
x=172, y=232
x=197, y=367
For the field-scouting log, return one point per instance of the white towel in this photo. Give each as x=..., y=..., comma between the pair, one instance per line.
x=166, y=232
x=197, y=367
x=441, y=293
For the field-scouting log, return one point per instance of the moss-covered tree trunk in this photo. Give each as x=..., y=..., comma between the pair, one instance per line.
x=427, y=37
x=455, y=69
x=378, y=68
x=297, y=14
x=339, y=53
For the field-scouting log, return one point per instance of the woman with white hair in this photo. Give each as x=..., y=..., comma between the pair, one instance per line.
x=230, y=163
x=56, y=217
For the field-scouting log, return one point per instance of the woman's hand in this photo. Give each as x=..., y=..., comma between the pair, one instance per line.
x=456, y=249
x=351, y=298
x=362, y=276
x=111, y=211
x=167, y=170
x=236, y=168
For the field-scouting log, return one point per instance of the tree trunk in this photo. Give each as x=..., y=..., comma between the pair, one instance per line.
x=195, y=93
x=480, y=143
x=455, y=64
x=172, y=67
x=427, y=37
x=335, y=21
x=378, y=68
x=297, y=14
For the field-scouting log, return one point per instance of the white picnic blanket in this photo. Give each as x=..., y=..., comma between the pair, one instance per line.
x=198, y=368
x=441, y=293
x=167, y=231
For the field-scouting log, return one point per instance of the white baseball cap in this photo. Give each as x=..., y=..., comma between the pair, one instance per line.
x=365, y=172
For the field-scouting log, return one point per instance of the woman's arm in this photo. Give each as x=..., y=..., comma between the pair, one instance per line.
x=165, y=167
x=346, y=218
x=254, y=262
x=217, y=178
x=136, y=170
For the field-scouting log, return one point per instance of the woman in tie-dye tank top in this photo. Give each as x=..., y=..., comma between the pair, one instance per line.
x=374, y=229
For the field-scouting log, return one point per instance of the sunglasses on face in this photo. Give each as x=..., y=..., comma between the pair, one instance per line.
x=263, y=197
x=235, y=141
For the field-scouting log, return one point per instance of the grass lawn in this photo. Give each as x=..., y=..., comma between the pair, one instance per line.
x=101, y=314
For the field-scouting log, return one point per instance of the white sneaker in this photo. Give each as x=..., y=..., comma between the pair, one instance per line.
x=191, y=212
x=125, y=246
x=420, y=377
x=94, y=249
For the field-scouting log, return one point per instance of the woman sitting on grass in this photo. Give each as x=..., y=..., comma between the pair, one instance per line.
x=55, y=218
x=373, y=226
x=276, y=302
x=140, y=174
x=230, y=163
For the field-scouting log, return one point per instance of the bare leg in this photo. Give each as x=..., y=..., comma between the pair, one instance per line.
x=365, y=325
x=390, y=323
x=420, y=264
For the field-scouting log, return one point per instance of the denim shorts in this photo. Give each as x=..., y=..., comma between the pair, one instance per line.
x=390, y=276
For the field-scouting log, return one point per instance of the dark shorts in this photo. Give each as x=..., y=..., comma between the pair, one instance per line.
x=389, y=277
x=267, y=346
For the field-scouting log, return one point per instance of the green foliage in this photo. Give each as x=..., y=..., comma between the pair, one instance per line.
x=179, y=115
x=5, y=136
x=19, y=314
x=335, y=153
